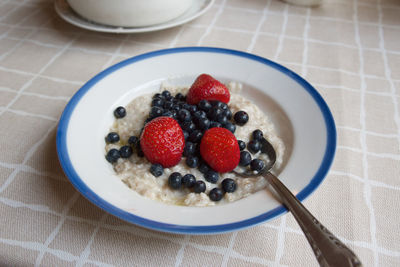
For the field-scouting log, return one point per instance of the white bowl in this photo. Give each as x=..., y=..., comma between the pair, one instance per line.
x=130, y=13
x=302, y=118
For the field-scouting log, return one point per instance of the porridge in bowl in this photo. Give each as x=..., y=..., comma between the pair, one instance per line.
x=180, y=145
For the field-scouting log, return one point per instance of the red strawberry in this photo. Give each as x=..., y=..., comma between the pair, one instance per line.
x=162, y=141
x=206, y=87
x=220, y=149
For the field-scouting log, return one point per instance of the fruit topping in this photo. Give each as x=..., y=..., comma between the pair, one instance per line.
x=156, y=169
x=192, y=161
x=195, y=136
x=125, y=151
x=241, y=117
x=184, y=115
x=203, y=168
x=208, y=88
x=245, y=158
x=257, y=165
x=220, y=149
x=231, y=127
x=257, y=135
x=216, y=194
x=254, y=146
x=242, y=145
x=112, y=137
x=156, y=112
x=199, y=187
x=188, y=180
x=120, y=112
x=113, y=155
x=229, y=185
x=211, y=176
x=162, y=141
x=175, y=180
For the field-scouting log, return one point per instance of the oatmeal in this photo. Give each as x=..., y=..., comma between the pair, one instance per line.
x=134, y=170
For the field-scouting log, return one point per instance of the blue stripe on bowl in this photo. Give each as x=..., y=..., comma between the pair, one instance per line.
x=186, y=229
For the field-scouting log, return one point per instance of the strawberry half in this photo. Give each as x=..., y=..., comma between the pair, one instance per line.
x=162, y=141
x=220, y=149
x=208, y=88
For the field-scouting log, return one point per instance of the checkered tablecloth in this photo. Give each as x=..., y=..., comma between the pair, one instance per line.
x=348, y=49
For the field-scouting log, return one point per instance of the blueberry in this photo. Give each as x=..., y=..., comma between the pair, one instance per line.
x=229, y=185
x=120, y=112
x=257, y=135
x=186, y=106
x=241, y=117
x=133, y=141
x=188, y=126
x=112, y=137
x=245, y=158
x=211, y=176
x=188, y=180
x=113, y=155
x=192, y=108
x=230, y=127
x=156, y=169
x=189, y=149
x=168, y=113
x=157, y=102
x=216, y=194
x=203, y=168
x=222, y=119
x=218, y=104
x=223, y=106
x=242, y=145
x=185, y=135
x=199, y=187
x=228, y=114
x=180, y=97
x=195, y=136
x=168, y=105
x=254, y=146
x=203, y=124
x=147, y=120
x=213, y=113
x=204, y=105
x=125, y=151
x=175, y=180
x=192, y=161
x=166, y=94
x=158, y=95
x=257, y=165
x=184, y=115
x=176, y=107
x=156, y=112
x=215, y=124
x=199, y=114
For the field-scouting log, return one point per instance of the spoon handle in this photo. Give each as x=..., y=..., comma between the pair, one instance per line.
x=328, y=249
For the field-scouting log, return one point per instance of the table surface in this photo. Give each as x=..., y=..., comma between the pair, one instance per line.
x=348, y=50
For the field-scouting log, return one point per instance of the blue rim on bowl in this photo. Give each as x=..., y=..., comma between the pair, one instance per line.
x=76, y=180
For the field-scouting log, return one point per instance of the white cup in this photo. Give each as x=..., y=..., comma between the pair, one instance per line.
x=130, y=13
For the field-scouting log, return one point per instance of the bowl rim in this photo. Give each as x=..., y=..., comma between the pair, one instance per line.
x=68, y=168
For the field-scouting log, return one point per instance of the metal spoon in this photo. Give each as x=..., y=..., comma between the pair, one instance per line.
x=328, y=249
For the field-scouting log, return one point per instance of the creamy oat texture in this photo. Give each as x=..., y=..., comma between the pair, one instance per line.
x=134, y=172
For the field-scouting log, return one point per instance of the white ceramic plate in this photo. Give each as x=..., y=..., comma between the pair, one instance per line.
x=302, y=118
x=65, y=11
